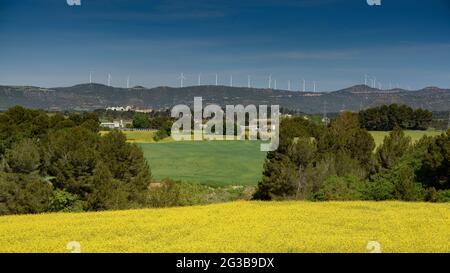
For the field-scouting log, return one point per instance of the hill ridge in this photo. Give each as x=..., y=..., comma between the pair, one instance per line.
x=91, y=96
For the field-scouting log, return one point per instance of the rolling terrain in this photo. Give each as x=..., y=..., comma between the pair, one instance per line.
x=98, y=96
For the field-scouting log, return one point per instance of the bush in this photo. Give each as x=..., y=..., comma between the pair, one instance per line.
x=164, y=131
x=398, y=183
x=341, y=188
x=22, y=194
x=160, y=135
x=379, y=188
x=164, y=194
x=443, y=196
x=140, y=121
x=62, y=201
x=169, y=193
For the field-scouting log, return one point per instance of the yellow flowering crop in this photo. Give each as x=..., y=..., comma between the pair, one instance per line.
x=238, y=227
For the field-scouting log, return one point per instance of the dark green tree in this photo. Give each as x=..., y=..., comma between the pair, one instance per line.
x=345, y=136
x=394, y=146
x=23, y=193
x=435, y=169
x=126, y=164
x=107, y=192
x=23, y=157
x=140, y=121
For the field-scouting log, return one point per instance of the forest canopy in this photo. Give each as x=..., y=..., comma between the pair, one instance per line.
x=386, y=118
x=61, y=163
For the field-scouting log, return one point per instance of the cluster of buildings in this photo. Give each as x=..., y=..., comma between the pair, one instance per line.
x=129, y=108
x=112, y=125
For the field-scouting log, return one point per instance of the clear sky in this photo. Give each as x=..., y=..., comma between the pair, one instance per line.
x=333, y=42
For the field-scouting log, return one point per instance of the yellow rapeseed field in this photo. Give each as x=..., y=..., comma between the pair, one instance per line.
x=238, y=227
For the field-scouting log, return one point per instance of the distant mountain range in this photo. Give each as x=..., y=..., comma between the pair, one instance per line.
x=98, y=96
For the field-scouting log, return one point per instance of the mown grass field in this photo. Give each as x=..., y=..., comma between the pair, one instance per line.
x=208, y=162
x=215, y=162
x=238, y=227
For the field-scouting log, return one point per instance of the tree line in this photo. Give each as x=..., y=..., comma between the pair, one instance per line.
x=387, y=117
x=62, y=163
x=339, y=162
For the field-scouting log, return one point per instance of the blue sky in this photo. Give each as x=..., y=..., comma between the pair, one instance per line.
x=333, y=42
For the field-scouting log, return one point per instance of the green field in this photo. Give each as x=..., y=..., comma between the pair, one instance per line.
x=215, y=162
x=415, y=135
x=238, y=227
x=208, y=162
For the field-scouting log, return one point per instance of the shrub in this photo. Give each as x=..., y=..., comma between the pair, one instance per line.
x=379, y=188
x=165, y=194
x=164, y=131
x=20, y=193
x=62, y=201
x=403, y=180
x=341, y=188
x=141, y=121
x=160, y=135
x=443, y=196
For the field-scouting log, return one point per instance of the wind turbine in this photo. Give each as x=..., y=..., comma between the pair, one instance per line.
x=270, y=81
x=181, y=78
x=128, y=81
x=109, y=79
x=304, y=85
x=289, y=85
x=249, y=82
x=217, y=79
x=199, y=79
x=314, y=83
x=275, y=84
x=231, y=80
x=90, y=77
